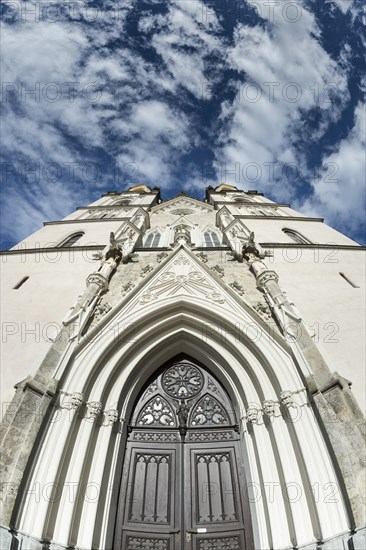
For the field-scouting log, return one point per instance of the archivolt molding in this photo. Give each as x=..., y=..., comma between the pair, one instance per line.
x=208, y=326
x=268, y=451
x=259, y=374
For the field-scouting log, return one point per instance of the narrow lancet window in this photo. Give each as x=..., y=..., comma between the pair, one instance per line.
x=295, y=236
x=152, y=240
x=211, y=239
x=71, y=240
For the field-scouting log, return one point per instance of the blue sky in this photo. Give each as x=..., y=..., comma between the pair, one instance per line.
x=266, y=95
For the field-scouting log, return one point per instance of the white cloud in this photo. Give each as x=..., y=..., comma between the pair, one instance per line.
x=184, y=38
x=339, y=194
x=284, y=73
x=160, y=135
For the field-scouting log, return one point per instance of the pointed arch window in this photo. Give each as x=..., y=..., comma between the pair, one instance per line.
x=70, y=241
x=295, y=236
x=211, y=239
x=152, y=240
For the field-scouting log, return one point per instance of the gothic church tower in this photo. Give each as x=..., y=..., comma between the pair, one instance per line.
x=182, y=375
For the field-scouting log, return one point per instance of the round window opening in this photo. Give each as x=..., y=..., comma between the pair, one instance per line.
x=182, y=381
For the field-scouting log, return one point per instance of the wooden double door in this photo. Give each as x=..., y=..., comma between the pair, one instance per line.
x=183, y=484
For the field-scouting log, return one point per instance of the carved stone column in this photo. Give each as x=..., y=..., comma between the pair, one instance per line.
x=27, y=410
x=341, y=416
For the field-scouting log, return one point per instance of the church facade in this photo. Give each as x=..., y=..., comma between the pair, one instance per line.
x=189, y=375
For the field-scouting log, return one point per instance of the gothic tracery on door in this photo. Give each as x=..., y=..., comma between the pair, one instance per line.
x=183, y=484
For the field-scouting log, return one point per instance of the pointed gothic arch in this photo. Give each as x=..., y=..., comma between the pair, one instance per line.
x=71, y=239
x=166, y=443
x=110, y=373
x=296, y=236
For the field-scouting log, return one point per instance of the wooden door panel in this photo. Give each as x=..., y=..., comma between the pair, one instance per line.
x=139, y=541
x=183, y=482
x=213, y=486
x=148, y=502
x=234, y=541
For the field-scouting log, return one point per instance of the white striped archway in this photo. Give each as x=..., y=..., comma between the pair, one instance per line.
x=77, y=470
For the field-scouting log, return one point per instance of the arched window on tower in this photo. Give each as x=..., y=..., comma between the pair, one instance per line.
x=70, y=241
x=211, y=239
x=295, y=236
x=152, y=240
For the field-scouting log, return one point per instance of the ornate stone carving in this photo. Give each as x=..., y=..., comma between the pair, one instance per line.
x=212, y=387
x=269, y=407
x=98, y=279
x=181, y=260
x=71, y=402
x=148, y=297
x=127, y=287
x=263, y=310
x=219, y=270
x=266, y=276
x=251, y=248
x=8, y=489
x=287, y=398
x=182, y=381
x=114, y=250
x=215, y=296
x=161, y=256
x=208, y=411
x=150, y=389
x=157, y=412
x=181, y=212
x=145, y=270
x=182, y=414
x=183, y=277
x=237, y=287
x=94, y=410
x=203, y=257
x=182, y=234
x=77, y=400
x=101, y=309
x=112, y=416
x=252, y=414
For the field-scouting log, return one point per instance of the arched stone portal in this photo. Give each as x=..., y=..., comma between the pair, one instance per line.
x=81, y=453
x=183, y=484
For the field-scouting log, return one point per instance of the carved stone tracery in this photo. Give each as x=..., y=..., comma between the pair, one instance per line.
x=208, y=411
x=157, y=412
x=182, y=381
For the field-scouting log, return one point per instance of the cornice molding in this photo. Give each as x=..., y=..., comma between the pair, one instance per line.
x=97, y=220
x=52, y=249
x=292, y=218
x=258, y=204
x=332, y=246
x=309, y=246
